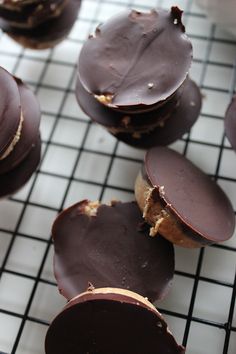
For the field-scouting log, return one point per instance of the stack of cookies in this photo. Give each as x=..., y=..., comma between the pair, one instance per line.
x=20, y=143
x=133, y=78
x=38, y=24
x=111, y=271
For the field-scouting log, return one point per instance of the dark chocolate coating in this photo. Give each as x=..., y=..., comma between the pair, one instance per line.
x=18, y=4
x=178, y=123
x=109, y=324
x=47, y=34
x=30, y=128
x=13, y=180
x=10, y=109
x=133, y=50
x=103, y=115
x=189, y=194
x=33, y=14
x=112, y=249
x=230, y=123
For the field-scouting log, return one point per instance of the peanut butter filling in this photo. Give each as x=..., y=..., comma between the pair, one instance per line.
x=159, y=216
x=104, y=99
x=91, y=208
x=118, y=291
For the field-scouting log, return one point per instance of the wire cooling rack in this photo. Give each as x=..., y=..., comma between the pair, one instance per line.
x=80, y=160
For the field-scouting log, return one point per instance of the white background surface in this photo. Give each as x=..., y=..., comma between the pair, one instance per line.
x=73, y=149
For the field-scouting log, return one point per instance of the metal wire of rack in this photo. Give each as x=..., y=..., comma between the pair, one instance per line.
x=80, y=160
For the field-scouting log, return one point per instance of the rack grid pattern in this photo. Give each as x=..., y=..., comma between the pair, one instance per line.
x=80, y=160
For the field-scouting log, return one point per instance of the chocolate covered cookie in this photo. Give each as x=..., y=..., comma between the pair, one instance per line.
x=181, y=202
x=18, y=4
x=10, y=113
x=40, y=25
x=110, y=246
x=132, y=78
x=33, y=14
x=14, y=179
x=20, y=143
x=136, y=60
x=29, y=132
x=162, y=126
x=110, y=321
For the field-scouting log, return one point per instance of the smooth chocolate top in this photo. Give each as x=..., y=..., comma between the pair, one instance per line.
x=138, y=59
x=109, y=324
x=30, y=128
x=111, y=249
x=10, y=109
x=190, y=194
x=230, y=123
x=50, y=30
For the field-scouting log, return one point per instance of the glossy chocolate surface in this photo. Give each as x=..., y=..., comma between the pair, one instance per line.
x=30, y=128
x=13, y=180
x=196, y=200
x=139, y=59
x=10, y=109
x=230, y=123
x=111, y=249
x=109, y=324
x=50, y=32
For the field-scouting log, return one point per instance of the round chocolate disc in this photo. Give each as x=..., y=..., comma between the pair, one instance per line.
x=110, y=323
x=10, y=109
x=112, y=248
x=230, y=123
x=48, y=33
x=198, y=202
x=13, y=180
x=30, y=128
x=135, y=59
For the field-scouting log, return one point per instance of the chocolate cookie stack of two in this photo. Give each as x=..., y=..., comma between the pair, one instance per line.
x=20, y=143
x=111, y=271
x=38, y=24
x=133, y=78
